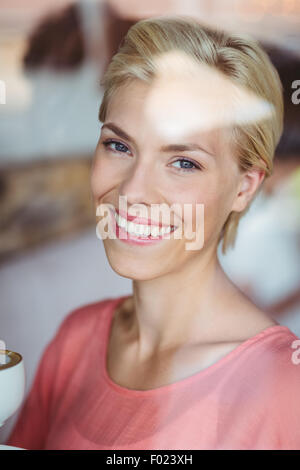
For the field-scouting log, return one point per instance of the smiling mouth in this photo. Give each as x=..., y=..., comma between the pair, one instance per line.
x=142, y=230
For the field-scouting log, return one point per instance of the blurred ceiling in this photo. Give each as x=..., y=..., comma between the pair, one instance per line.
x=276, y=21
x=272, y=20
x=21, y=15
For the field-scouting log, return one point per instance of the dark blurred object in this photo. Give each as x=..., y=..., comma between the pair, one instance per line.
x=115, y=30
x=288, y=66
x=43, y=201
x=48, y=199
x=57, y=42
x=287, y=154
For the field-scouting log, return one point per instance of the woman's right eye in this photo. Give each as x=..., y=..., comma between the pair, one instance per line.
x=119, y=147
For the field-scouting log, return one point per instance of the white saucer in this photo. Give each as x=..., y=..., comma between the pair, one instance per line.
x=3, y=447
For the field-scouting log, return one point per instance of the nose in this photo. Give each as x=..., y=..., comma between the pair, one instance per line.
x=138, y=185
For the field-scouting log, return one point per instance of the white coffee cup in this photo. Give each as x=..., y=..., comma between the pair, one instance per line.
x=12, y=386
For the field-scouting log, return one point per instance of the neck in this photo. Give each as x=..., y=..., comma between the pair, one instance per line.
x=180, y=307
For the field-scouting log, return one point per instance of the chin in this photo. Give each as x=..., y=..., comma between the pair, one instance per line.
x=133, y=268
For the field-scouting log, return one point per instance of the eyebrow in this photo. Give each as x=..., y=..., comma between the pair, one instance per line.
x=166, y=148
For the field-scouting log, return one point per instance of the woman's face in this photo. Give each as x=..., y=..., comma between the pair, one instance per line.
x=139, y=168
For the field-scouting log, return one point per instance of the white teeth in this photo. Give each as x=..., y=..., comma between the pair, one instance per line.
x=146, y=230
x=130, y=227
x=154, y=231
x=139, y=229
x=123, y=223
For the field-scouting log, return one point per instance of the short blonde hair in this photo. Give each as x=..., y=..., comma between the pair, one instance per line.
x=238, y=56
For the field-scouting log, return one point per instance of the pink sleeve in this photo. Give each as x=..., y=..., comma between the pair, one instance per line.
x=284, y=403
x=30, y=430
x=289, y=420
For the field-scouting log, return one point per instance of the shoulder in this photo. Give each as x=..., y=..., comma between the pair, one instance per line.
x=75, y=334
x=80, y=322
x=270, y=370
x=269, y=386
x=280, y=360
x=287, y=356
x=283, y=346
x=283, y=405
x=272, y=355
x=88, y=313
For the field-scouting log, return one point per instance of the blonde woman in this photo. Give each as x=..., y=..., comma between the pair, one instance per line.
x=185, y=361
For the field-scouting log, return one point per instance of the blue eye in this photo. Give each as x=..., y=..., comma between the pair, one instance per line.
x=118, y=144
x=187, y=168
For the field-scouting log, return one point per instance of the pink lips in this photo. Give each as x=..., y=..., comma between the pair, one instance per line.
x=130, y=238
x=139, y=220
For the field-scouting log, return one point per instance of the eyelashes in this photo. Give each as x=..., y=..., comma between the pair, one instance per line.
x=109, y=142
x=195, y=166
x=185, y=160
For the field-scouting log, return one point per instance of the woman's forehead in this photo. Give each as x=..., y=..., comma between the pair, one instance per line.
x=134, y=110
x=186, y=97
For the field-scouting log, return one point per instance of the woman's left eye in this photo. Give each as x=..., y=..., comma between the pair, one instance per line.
x=187, y=168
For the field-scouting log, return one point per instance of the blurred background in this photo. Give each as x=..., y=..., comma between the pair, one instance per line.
x=52, y=56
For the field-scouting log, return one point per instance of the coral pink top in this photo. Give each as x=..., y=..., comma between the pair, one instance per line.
x=249, y=399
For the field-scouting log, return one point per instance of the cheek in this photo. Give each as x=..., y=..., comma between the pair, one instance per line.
x=213, y=196
x=102, y=177
x=217, y=205
x=197, y=200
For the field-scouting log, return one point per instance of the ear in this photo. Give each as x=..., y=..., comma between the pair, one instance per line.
x=249, y=183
